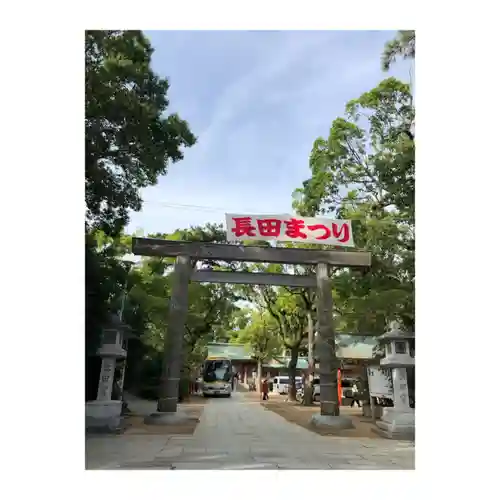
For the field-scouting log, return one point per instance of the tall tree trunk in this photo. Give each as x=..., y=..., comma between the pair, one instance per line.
x=308, y=389
x=292, y=373
x=259, y=375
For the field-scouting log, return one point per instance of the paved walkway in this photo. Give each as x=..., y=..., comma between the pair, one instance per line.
x=238, y=433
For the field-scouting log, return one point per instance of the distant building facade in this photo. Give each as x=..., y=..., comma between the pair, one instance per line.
x=354, y=353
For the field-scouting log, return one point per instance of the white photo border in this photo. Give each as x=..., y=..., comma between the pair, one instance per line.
x=43, y=202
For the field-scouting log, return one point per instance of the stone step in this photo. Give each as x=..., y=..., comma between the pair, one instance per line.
x=92, y=427
x=383, y=429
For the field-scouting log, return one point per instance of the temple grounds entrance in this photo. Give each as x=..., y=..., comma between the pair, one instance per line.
x=187, y=253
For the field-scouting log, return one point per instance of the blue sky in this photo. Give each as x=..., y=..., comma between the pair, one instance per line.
x=256, y=101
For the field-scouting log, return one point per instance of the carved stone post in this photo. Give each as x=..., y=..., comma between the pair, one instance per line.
x=326, y=347
x=328, y=364
x=172, y=356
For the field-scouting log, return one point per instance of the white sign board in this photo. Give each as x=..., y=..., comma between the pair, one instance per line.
x=289, y=228
x=379, y=384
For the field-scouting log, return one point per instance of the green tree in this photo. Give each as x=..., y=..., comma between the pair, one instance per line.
x=239, y=320
x=288, y=309
x=261, y=334
x=290, y=312
x=129, y=141
x=403, y=45
x=211, y=307
x=364, y=171
x=105, y=282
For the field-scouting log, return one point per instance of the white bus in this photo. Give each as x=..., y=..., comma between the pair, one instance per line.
x=217, y=377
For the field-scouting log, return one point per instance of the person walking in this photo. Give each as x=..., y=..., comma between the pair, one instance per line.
x=355, y=395
x=265, y=389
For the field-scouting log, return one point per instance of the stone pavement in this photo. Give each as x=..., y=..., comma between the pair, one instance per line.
x=239, y=434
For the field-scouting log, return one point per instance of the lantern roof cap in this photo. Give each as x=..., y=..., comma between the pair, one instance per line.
x=396, y=333
x=115, y=323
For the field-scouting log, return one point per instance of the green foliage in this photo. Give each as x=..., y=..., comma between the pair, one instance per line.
x=402, y=46
x=285, y=306
x=365, y=171
x=129, y=141
x=211, y=307
x=260, y=334
x=105, y=278
x=288, y=308
x=239, y=320
x=373, y=169
x=105, y=282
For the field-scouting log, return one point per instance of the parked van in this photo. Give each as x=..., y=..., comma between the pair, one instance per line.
x=280, y=384
x=346, y=384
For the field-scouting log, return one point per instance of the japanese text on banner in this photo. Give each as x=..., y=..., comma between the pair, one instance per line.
x=289, y=228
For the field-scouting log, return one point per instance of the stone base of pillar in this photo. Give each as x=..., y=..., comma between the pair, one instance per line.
x=103, y=416
x=367, y=411
x=169, y=418
x=333, y=422
x=397, y=424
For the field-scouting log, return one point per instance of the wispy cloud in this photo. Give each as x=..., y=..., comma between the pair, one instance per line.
x=257, y=101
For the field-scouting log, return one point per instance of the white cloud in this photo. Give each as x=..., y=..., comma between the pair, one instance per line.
x=262, y=122
x=275, y=62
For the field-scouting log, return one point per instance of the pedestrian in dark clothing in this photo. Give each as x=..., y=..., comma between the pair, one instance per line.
x=265, y=390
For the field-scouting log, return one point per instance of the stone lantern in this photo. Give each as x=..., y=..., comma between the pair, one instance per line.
x=398, y=422
x=105, y=413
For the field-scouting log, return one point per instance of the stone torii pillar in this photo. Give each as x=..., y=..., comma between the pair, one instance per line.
x=328, y=362
x=167, y=412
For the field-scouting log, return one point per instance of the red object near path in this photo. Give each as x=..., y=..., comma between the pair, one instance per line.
x=339, y=386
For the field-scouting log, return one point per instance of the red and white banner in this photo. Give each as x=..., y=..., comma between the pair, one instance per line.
x=289, y=228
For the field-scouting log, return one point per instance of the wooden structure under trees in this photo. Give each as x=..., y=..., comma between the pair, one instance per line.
x=187, y=252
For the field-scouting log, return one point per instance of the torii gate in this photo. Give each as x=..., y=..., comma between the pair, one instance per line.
x=186, y=252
